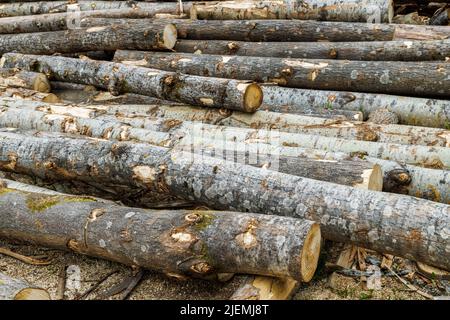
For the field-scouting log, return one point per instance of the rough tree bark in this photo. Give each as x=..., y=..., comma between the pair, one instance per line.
x=416, y=181
x=15, y=289
x=329, y=10
x=353, y=173
x=44, y=7
x=162, y=36
x=368, y=50
x=431, y=184
x=26, y=94
x=295, y=124
x=408, y=78
x=24, y=79
x=194, y=243
x=289, y=30
x=39, y=22
x=428, y=156
x=118, y=78
x=390, y=223
x=410, y=110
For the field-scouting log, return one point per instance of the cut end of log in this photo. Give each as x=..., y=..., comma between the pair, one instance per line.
x=391, y=11
x=376, y=179
x=372, y=179
x=170, y=36
x=253, y=97
x=432, y=272
x=32, y=294
x=42, y=84
x=51, y=98
x=310, y=253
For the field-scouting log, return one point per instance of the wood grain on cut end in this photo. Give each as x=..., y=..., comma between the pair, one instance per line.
x=376, y=179
x=433, y=272
x=253, y=97
x=265, y=288
x=170, y=36
x=390, y=12
x=42, y=84
x=372, y=179
x=32, y=294
x=310, y=253
x=51, y=98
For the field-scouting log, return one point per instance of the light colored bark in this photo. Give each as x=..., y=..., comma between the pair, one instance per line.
x=94, y=121
x=410, y=110
x=390, y=223
x=119, y=78
x=370, y=50
x=26, y=94
x=162, y=36
x=328, y=10
x=192, y=243
x=60, y=19
x=45, y=7
x=289, y=30
x=342, y=171
x=24, y=79
x=407, y=78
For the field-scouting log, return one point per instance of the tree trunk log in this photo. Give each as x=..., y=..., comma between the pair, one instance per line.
x=163, y=36
x=425, y=183
x=329, y=10
x=80, y=93
x=67, y=19
x=117, y=78
x=265, y=288
x=346, y=214
x=15, y=289
x=408, y=78
x=430, y=184
x=24, y=79
x=412, y=111
x=369, y=50
x=26, y=94
x=193, y=243
x=129, y=196
x=343, y=172
x=428, y=156
x=46, y=7
x=288, y=30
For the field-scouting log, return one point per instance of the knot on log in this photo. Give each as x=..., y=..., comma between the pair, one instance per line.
x=192, y=217
x=247, y=239
x=368, y=135
x=201, y=268
x=73, y=245
x=233, y=47
x=333, y=53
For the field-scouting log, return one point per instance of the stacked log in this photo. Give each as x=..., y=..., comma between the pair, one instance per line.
x=371, y=76
x=161, y=239
x=227, y=143
x=288, y=30
x=227, y=185
x=119, y=78
x=116, y=122
x=368, y=50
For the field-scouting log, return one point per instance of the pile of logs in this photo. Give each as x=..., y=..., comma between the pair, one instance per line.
x=284, y=122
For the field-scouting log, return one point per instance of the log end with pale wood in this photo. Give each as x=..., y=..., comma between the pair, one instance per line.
x=16, y=289
x=169, y=36
x=253, y=97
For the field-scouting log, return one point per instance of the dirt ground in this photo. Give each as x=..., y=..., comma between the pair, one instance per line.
x=158, y=286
